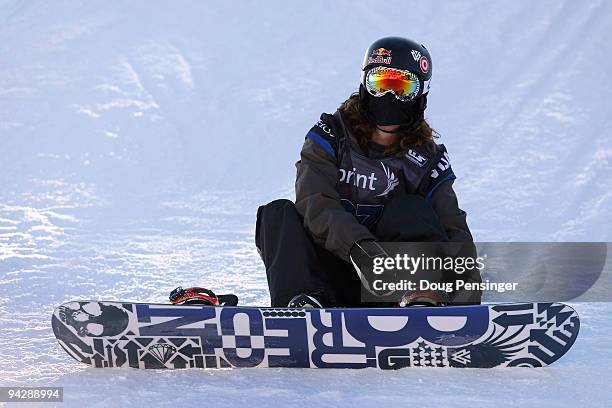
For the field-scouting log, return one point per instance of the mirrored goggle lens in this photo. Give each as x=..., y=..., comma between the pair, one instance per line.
x=403, y=84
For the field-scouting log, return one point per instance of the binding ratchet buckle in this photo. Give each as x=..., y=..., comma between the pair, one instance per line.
x=193, y=296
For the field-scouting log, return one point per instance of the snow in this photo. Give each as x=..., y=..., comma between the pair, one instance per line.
x=137, y=140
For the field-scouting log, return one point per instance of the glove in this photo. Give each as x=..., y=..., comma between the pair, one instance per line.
x=362, y=257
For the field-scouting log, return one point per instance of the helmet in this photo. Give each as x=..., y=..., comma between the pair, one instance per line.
x=395, y=80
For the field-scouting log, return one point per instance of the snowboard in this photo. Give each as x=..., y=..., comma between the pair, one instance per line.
x=158, y=336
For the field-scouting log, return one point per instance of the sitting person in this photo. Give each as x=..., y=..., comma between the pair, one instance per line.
x=369, y=173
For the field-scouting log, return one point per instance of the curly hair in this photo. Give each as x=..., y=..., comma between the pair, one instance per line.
x=363, y=130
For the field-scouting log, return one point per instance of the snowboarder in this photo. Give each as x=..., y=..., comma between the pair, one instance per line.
x=369, y=173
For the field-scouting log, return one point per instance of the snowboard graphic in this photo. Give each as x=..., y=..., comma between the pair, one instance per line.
x=157, y=336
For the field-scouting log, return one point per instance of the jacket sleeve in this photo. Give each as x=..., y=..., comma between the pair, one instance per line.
x=437, y=187
x=453, y=219
x=318, y=201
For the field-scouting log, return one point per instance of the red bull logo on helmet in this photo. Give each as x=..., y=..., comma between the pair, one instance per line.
x=380, y=56
x=381, y=52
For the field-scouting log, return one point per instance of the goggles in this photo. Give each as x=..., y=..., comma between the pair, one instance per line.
x=403, y=84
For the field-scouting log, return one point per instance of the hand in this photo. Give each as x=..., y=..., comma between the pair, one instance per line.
x=362, y=257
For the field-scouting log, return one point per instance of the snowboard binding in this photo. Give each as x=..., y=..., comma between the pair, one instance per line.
x=201, y=296
x=428, y=298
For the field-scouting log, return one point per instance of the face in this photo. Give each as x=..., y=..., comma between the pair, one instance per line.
x=389, y=128
x=388, y=111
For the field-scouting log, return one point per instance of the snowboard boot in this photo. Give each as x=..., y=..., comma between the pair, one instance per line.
x=302, y=301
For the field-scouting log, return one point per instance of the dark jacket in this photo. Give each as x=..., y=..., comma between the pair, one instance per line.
x=319, y=202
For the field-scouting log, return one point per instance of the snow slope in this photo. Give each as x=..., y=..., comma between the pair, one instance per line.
x=138, y=138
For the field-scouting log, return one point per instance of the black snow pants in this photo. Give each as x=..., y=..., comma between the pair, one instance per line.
x=296, y=264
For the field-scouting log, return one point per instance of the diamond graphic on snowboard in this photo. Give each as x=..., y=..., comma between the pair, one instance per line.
x=162, y=352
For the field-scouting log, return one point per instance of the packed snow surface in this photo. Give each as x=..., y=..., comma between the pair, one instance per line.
x=138, y=138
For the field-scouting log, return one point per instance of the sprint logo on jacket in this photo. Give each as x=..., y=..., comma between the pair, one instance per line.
x=358, y=180
x=368, y=181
